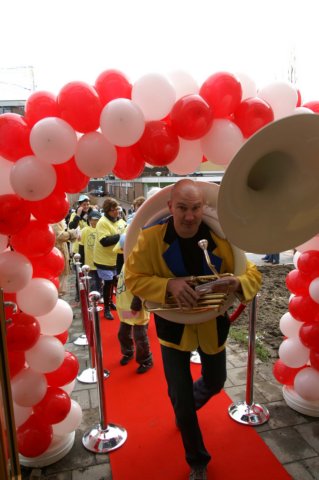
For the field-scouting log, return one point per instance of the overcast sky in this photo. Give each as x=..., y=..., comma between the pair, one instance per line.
x=65, y=40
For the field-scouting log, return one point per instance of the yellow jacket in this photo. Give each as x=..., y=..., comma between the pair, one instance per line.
x=156, y=258
x=106, y=228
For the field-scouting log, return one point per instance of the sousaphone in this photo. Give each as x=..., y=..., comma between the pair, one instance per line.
x=268, y=200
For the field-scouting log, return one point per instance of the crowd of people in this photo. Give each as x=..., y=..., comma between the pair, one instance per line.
x=165, y=256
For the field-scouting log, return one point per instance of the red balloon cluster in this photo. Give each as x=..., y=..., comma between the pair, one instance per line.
x=298, y=365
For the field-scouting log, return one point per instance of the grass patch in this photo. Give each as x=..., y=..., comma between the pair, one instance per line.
x=241, y=337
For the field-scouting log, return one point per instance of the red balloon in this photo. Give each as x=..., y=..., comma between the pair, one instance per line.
x=16, y=361
x=314, y=106
x=51, y=209
x=63, y=337
x=14, y=137
x=112, y=84
x=308, y=263
x=34, y=240
x=54, y=406
x=66, y=373
x=298, y=104
x=55, y=281
x=34, y=437
x=159, y=145
x=69, y=178
x=252, y=114
x=14, y=214
x=298, y=283
x=191, y=117
x=80, y=106
x=51, y=264
x=222, y=91
x=303, y=308
x=309, y=335
x=40, y=105
x=314, y=359
x=129, y=164
x=23, y=332
x=283, y=374
x=204, y=159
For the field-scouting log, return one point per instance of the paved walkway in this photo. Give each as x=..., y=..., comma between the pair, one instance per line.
x=293, y=437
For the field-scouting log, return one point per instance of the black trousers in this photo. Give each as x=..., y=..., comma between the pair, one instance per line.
x=188, y=396
x=133, y=337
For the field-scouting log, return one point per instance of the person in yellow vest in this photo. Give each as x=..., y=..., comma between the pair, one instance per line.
x=108, y=231
x=79, y=220
x=164, y=254
x=86, y=247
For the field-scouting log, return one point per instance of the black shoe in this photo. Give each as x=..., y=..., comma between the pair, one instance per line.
x=112, y=306
x=125, y=359
x=108, y=315
x=265, y=258
x=144, y=367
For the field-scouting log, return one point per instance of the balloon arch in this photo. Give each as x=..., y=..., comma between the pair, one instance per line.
x=118, y=127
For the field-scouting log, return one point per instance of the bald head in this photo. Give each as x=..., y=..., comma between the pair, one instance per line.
x=186, y=205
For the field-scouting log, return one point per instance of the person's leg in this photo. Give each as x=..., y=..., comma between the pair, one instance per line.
x=107, y=295
x=275, y=258
x=213, y=377
x=143, y=353
x=125, y=337
x=180, y=389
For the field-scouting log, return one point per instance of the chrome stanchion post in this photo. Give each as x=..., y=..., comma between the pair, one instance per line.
x=248, y=412
x=103, y=437
x=81, y=340
x=89, y=374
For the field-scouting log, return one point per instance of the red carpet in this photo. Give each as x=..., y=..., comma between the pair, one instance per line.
x=154, y=448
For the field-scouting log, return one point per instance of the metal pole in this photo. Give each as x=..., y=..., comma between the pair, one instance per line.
x=81, y=340
x=248, y=412
x=103, y=437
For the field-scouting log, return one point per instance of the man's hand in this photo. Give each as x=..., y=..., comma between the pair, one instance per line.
x=226, y=284
x=79, y=211
x=184, y=294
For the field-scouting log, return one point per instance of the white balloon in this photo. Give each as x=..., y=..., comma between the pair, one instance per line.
x=188, y=158
x=222, y=142
x=293, y=353
x=281, y=96
x=183, y=83
x=39, y=297
x=71, y=422
x=95, y=156
x=155, y=96
x=15, y=271
x=58, y=320
x=289, y=326
x=249, y=88
x=53, y=140
x=32, y=178
x=5, y=169
x=299, y=110
x=295, y=259
x=46, y=355
x=3, y=242
x=122, y=122
x=314, y=290
x=306, y=384
x=69, y=387
x=28, y=387
x=312, y=244
x=21, y=414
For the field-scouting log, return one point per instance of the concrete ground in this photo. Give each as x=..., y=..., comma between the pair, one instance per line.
x=292, y=436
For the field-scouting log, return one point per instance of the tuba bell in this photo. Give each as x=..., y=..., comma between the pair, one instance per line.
x=268, y=198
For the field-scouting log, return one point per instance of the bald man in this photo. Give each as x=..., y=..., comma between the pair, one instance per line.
x=163, y=255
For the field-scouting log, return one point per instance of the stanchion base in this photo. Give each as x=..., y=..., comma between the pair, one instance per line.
x=89, y=375
x=102, y=441
x=195, y=358
x=81, y=340
x=296, y=402
x=254, y=414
